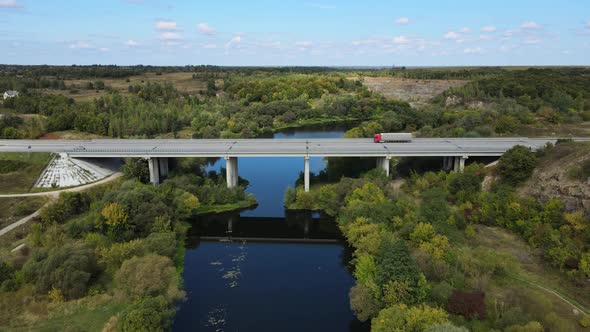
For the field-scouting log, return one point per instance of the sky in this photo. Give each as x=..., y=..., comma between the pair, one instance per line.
x=296, y=33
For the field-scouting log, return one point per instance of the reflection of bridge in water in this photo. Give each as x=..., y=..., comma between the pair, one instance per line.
x=296, y=227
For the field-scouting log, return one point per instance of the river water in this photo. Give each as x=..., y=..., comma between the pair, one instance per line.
x=264, y=269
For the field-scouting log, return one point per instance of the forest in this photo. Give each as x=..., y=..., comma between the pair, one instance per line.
x=100, y=248
x=250, y=102
x=419, y=261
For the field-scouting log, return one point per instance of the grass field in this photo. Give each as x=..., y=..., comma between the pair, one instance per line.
x=86, y=314
x=22, y=179
x=184, y=82
x=12, y=209
x=539, y=287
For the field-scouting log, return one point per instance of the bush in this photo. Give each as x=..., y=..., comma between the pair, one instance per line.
x=517, y=164
x=470, y=305
x=408, y=319
x=150, y=314
x=448, y=327
x=469, y=183
x=67, y=268
x=363, y=303
x=146, y=276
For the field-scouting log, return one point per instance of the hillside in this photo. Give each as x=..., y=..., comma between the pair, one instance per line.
x=562, y=174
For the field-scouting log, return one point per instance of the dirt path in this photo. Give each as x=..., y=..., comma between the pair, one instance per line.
x=582, y=310
x=52, y=195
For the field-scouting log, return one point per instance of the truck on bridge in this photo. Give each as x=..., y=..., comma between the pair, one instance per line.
x=393, y=137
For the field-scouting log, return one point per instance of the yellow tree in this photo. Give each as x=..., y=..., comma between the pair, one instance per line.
x=114, y=214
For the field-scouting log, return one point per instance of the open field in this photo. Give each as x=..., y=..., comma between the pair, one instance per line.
x=20, y=171
x=12, y=209
x=542, y=281
x=410, y=90
x=183, y=82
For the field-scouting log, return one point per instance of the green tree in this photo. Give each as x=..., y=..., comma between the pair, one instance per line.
x=400, y=318
x=136, y=168
x=151, y=314
x=517, y=164
x=146, y=276
x=363, y=303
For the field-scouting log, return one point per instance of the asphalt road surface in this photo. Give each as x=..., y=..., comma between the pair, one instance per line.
x=274, y=147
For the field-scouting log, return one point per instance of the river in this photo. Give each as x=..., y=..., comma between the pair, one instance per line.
x=280, y=271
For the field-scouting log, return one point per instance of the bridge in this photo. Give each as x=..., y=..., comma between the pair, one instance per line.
x=454, y=151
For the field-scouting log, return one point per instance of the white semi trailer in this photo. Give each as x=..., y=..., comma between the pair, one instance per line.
x=393, y=137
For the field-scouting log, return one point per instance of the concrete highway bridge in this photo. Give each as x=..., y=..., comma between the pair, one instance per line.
x=454, y=151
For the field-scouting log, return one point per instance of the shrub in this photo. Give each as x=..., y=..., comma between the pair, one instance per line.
x=517, y=164
x=146, y=276
x=470, y=305
x=150, y=314
x=363, y=303
x=448, y=327
x=408, y=319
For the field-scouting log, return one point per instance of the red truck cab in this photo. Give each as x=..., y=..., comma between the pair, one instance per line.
x=377, y=138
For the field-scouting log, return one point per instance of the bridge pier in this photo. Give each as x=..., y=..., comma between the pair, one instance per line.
x=459, y=163
x=163, y=166
x=231, y=171
x=306, y=173
x=383, y=163
x=448, y=163
x=154, y=166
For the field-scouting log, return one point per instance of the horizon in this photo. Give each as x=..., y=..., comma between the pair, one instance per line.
x=424, y=33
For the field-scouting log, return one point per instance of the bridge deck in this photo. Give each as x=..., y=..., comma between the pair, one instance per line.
x=273, y=147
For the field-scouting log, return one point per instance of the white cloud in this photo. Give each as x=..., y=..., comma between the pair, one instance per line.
x=401, y=40
x=170, y=43
x=166, y=25
x=10, y=4
x=402, y=21
x=132, y=42
x=206, y=29
x=236, y=40
x=170, y=36
x=104, y=49
x=489, y=28
x=588, y=25
x=532, y=41
x=80, y=45
x=452, y=35
x=473, y=50
x=465, y=30
x=304, y=44
x=530, y=26
x=209, y=46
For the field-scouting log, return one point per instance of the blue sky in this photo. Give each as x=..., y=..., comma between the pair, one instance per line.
x=287, y=32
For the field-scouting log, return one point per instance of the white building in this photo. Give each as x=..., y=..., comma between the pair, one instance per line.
x=10, y=94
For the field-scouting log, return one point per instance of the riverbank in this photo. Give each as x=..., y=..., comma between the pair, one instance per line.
x=249, y=202
x=301, y=124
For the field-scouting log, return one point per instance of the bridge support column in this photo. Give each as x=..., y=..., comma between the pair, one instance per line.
x=459, y=163
x=163, y=164
x=231, y=171
x=462, y=163
x=383, y=163
x=447, y=163
x=154, y=166
x=306, y=173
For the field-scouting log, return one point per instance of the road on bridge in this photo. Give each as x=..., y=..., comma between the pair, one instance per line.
x=274, y=147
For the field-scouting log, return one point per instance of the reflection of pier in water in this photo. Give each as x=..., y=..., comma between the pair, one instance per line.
x=296, y=227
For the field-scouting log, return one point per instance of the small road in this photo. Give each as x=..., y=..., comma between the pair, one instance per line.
x=52, y=195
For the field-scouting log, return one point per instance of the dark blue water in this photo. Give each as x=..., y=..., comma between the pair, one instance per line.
x=263, y=269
